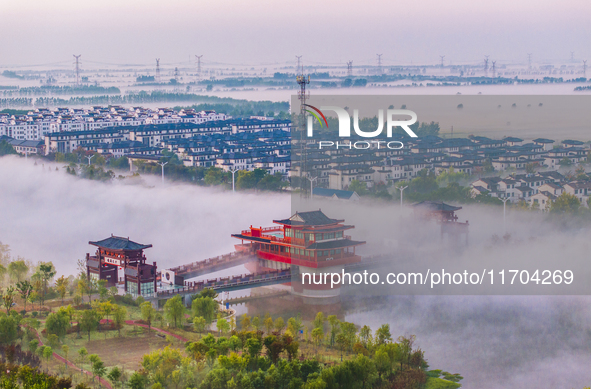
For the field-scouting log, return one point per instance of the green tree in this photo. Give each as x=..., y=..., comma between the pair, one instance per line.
x=148, y=313
x=359, y=187
x=222, y=326
x=268, y=323
x=17, y=270
x=57, y=323
x=119, y=316
x=565, y=204
x=334, y=323
x=8, y=299
x=82, y=355
x=199, y=323
x=6, y=148
x=47, y=353
x=174, y=310
x=343, y=342
x=383, y=334
x=205, y=307
x=61, y=285
x=279, y=324
x=65, y=350
x=8, y=329
x=114, y=376
x=137, y=381
x=317, y=336
x=46, y=270
x=98, y=368
x=89, y=321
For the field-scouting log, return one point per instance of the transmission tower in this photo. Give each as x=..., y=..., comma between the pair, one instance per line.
x=198, y=64
x=529, y=61
x=303, y=96
x=77, y=63
x=494, y=69
x=442, y=58
x=349, y=68
x=176, y=74
x=486, y=66
x=299, y=58
x=379, y=63
x=585, y=68
x=572, y=56
x=158, y=70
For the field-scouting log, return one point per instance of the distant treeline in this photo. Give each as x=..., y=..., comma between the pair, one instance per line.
x=250, y=108
x=61, y=90
x=139, y=98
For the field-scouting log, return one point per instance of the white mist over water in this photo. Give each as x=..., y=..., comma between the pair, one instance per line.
x=48, y=215
x=493, y=341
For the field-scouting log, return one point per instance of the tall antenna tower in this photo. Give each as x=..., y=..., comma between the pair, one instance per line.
x=349, y=68
x=199, y=65
x=303, y=96
x=379, y=63
x=442, y=57
x=529, y=61
x=585, y=68
x=158, y=70
x=486, y=66
x=572, y=56
x=77, y=63
x=494, y=69
x=299, y=58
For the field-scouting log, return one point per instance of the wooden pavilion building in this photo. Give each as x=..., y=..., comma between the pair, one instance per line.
x=310, y=241
x=115, y=255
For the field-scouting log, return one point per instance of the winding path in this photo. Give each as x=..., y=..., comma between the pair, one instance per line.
x=103, y=381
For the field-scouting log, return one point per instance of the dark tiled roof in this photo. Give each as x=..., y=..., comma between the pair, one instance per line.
x=341, y=194
x=436, y=206
x=119, y=243
x=311, y=218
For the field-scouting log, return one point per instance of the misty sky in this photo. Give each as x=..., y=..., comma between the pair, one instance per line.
x=35, y=32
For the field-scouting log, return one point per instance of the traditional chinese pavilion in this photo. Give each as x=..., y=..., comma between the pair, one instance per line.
x=443, y=213
x=116, y=255
x=311, y=241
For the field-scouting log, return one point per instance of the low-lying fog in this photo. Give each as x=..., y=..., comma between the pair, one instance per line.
x=493, y=341
x=48, y=215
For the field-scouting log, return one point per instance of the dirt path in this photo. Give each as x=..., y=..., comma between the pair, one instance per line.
x=134, y=323
x=103, y=381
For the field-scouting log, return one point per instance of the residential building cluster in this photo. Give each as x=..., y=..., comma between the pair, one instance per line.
x=35, y=125
x=244, y=144
x=337, y=168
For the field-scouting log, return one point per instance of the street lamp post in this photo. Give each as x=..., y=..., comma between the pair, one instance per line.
x=505, y=213
x=402, y=188
x=162, y=165
x=312, y=186
x=233, y=172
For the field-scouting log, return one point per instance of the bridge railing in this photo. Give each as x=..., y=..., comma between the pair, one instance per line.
x=232, y=281
x=209, y=262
